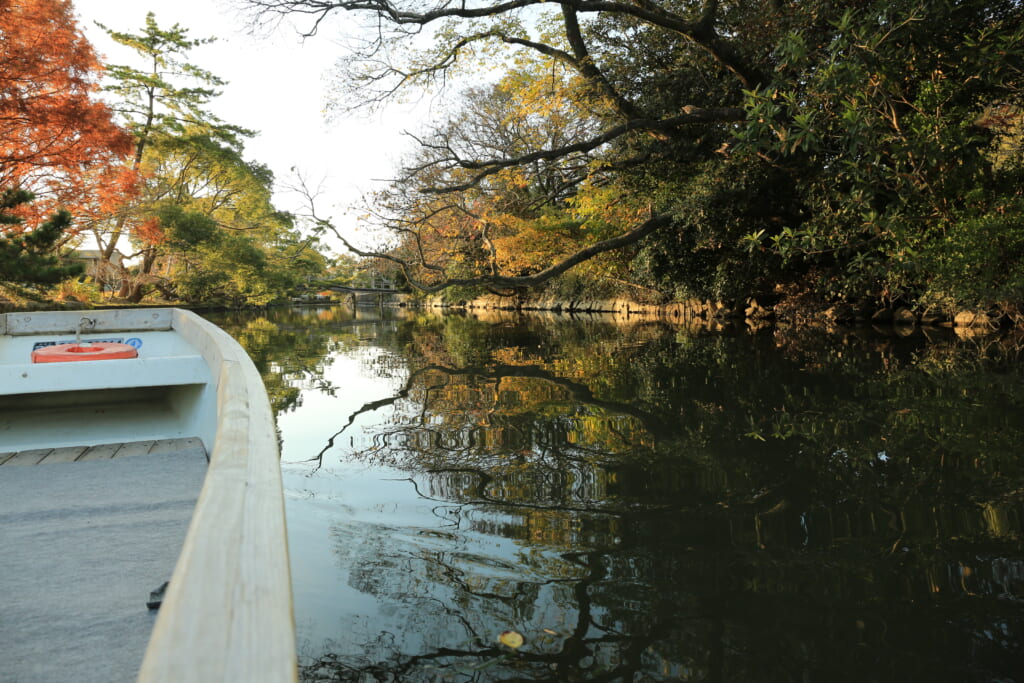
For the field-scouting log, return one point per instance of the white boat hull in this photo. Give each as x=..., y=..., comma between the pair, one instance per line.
x=227, y=615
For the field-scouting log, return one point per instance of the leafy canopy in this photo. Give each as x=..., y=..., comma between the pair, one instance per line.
x=851, y=149
x=57, y=139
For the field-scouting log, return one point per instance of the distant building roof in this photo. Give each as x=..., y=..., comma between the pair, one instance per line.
x=96, y=255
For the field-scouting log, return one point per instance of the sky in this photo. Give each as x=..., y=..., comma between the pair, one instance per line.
x=276, y=86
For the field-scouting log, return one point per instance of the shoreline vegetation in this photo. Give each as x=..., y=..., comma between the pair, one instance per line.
x=752, y=313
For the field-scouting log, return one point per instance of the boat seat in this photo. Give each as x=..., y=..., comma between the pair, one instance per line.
x=31, y=378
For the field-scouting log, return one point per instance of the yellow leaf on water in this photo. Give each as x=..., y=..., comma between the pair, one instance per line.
x=512, y=639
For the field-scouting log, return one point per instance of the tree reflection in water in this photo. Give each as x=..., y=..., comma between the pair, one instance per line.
x=645, y=503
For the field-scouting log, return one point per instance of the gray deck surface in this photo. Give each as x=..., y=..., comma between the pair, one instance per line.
x=82, y=544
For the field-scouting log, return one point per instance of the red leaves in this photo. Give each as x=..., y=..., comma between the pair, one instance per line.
x=150, y=232
x=56, y=139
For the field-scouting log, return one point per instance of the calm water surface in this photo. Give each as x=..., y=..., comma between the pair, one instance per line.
x=645, y=503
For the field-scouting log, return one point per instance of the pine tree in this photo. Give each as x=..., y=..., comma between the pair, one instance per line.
x=27, y=257
x=153, y=103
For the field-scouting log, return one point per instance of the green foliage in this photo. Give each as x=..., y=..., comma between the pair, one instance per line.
x=184, y=229
x=459, y=294
x=883, y=118
x=877, y=155
x=866, y=149
x=598, y=279
x=203, y=225
x=717, y=203
x=237, y=268
x=979, y=260
x=84, y=290
x=344, y=269
x=206, y=223
x=153, y=101
x=28, y=257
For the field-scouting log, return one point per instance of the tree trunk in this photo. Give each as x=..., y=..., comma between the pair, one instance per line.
x=137, y=288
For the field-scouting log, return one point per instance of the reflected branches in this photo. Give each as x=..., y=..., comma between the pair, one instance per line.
x=575, y=393
x=590, y=645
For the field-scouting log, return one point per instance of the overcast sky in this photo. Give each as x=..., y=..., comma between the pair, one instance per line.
x=275, y=86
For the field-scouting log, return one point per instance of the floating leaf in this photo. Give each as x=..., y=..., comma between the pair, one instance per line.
x=512, y=639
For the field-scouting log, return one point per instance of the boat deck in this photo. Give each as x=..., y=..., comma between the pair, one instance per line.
x=85, y=536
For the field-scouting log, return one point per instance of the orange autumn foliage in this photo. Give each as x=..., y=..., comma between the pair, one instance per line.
x=150, y=232
x=56, y=139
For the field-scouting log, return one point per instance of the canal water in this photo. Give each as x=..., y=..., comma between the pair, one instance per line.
x=645, y=502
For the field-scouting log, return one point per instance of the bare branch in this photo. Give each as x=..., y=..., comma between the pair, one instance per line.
x=702, y=32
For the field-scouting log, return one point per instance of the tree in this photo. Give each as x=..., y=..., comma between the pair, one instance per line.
x=203, y=224
x=154, y=104
x=890, y=119
x=806, y=106
x=211, y=230
x=27, y=257
x=58, y=142
x=553, y=36
x=454, y=225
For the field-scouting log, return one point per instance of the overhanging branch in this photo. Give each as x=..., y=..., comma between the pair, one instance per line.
x=514, y=282
x=489, y=167
x=702, y=31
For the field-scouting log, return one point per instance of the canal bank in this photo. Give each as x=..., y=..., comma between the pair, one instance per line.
x=754, y=312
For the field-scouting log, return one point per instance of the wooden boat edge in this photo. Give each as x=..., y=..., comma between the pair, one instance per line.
x=228, y=610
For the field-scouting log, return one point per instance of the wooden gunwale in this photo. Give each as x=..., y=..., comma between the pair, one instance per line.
x=227, y=615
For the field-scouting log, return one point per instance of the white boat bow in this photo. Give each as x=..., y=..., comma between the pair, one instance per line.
x=227, y=614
